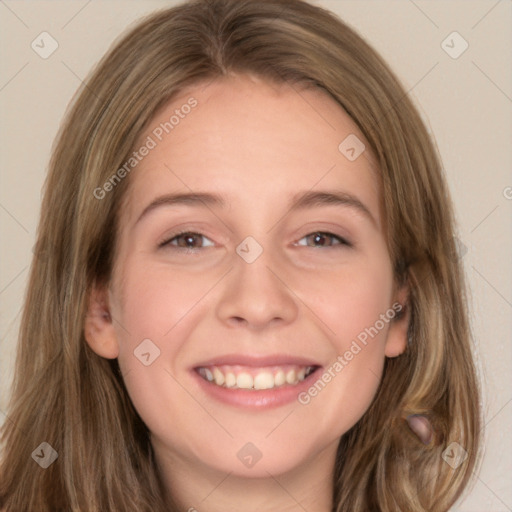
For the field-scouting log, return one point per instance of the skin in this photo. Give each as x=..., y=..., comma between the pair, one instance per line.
x=257, y=144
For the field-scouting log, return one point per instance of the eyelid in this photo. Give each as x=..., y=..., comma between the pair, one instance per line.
x=168, y=239
x=341, y=239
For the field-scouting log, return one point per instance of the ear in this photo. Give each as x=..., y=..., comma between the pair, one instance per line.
x=396, y=341
x=99, y=330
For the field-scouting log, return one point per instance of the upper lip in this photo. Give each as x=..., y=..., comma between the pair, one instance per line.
x=257, y=361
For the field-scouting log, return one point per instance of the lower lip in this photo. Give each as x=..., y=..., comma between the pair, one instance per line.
x=256, y=399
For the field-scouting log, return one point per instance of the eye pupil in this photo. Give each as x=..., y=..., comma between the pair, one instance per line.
x=188, y=239
x=319, y=238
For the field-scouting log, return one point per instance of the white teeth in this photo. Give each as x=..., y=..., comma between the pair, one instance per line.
x=244, y=381
x=279, y=378
x=230, y=380
x=218, y=376
x=264, y=380
x=232, y=377
x=291, y=377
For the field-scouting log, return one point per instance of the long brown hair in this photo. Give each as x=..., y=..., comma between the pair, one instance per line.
x=69, y=397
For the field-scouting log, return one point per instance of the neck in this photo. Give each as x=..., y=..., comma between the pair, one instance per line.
x=196, y=487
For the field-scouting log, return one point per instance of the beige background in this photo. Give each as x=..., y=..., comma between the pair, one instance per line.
x=467, y=102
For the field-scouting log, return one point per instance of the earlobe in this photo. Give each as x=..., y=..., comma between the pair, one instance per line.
x=396, y=342
x=99, y=330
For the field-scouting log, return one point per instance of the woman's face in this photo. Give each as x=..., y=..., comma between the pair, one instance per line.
x=283, y=270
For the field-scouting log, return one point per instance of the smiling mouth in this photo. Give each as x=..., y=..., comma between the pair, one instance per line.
x=252, y=378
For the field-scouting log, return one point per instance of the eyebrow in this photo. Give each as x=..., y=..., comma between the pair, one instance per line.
x=300, y=201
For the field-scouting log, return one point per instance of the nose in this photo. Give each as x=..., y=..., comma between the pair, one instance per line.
x=257, y=295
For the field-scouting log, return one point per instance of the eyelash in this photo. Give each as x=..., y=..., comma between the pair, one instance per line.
x=342, y=241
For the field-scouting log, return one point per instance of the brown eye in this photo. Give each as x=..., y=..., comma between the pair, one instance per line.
x=187, y=240
x=323, y=239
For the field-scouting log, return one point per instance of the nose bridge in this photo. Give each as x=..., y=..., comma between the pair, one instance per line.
x=254, y=292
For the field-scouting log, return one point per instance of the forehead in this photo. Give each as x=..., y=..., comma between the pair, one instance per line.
x=252, y=141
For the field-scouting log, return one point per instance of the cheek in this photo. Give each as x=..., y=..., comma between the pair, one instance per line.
x=150, y=318
x=352, y=299
x=340, y=397
x=352, y=304
x=155, y=299
x=155, y=317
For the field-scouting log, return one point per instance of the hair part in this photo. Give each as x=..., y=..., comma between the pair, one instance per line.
x=66, y=395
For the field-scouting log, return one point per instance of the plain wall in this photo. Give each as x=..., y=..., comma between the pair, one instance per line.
x=466, y=102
